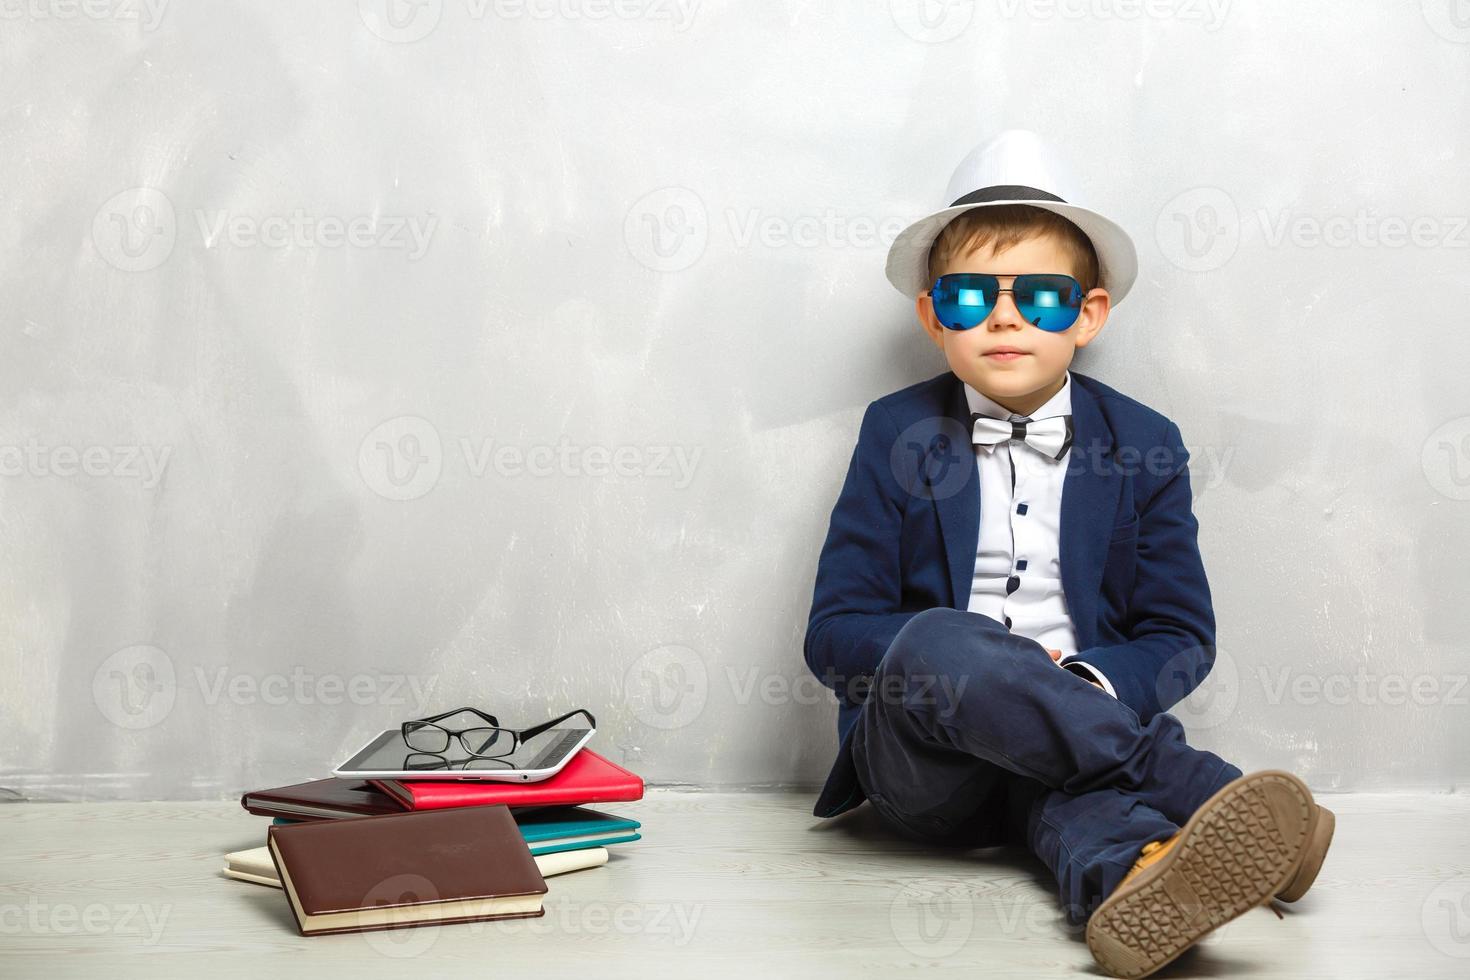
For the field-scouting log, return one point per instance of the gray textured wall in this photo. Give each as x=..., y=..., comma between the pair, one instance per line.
x=355, y=363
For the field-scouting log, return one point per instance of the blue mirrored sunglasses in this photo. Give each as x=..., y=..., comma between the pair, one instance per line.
x=962, y=300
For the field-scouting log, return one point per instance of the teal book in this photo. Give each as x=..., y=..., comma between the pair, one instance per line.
x=550, y=829
x=559, y=828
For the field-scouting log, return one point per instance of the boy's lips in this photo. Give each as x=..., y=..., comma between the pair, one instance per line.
x=1005, y=353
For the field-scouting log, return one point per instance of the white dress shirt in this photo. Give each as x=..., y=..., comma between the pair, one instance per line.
x=1018, y=569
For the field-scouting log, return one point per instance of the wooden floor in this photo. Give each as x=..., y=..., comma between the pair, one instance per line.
x=742, y=885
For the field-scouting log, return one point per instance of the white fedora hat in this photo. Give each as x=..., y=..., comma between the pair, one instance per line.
x=1015, y=167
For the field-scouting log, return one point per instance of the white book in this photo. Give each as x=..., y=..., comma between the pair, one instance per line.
x=256, y=865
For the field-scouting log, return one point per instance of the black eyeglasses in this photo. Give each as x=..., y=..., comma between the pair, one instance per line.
x=484, y=741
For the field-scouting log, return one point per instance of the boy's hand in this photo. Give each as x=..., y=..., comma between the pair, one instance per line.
x=1056, y=656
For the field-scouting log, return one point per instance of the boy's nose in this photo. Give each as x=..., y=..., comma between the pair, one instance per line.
x=1005, y=313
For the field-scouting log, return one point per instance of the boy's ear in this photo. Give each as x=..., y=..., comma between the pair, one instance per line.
x=1094, y=313
x=924, y=308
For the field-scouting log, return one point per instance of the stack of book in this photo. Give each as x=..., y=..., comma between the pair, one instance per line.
x=353, y=855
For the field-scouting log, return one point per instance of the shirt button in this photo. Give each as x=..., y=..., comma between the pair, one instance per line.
x=1012, y=584
x=1021, y=509
x=1008, y=622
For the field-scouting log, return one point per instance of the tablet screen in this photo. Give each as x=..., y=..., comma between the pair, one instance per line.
x=388, y=753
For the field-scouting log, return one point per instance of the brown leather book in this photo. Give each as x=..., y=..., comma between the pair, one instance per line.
x=406, y=869
x=321, y=799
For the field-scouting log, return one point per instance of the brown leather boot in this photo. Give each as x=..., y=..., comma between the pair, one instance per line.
x=1243, y=845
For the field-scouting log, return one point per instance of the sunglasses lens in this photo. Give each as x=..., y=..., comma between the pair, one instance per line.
x=963, y=300
x=1049, y=302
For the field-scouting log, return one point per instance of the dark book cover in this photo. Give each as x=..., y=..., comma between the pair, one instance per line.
x=389, y=872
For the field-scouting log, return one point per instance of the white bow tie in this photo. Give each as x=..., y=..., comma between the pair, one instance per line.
x=1051, y=437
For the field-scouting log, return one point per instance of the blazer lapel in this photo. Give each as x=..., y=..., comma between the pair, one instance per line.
x=1089, y=503
x=959, y=508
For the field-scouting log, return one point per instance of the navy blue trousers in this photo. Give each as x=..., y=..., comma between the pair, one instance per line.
x=973, y=735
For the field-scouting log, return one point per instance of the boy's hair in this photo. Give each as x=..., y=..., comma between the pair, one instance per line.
x=1004, y=226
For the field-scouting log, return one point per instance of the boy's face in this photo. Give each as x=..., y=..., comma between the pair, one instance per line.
x=1022, y=383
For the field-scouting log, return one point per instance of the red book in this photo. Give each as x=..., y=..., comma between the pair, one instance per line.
x=587, y=778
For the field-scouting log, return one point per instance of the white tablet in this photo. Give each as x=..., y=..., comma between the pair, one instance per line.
x=536, y=758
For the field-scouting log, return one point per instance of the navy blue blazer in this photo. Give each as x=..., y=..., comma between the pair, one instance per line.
x=906, y=525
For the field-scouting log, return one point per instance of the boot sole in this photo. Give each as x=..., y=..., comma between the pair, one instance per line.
x=1234, y=853
x=1324, y=822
